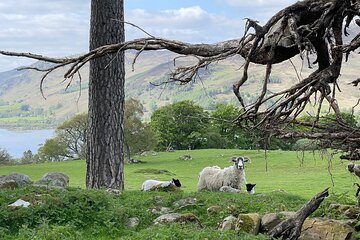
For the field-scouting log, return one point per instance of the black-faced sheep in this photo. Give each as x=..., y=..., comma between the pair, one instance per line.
x=250, y=189
x=148, y=185
x=213, y=178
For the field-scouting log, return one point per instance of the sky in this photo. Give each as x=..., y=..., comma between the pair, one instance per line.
x=60, y=28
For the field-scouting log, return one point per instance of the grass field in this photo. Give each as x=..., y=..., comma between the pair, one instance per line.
x=285, y=171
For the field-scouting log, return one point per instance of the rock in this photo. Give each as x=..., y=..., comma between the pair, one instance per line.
x=176, y=217
x=20, y=203
x=214, y=209
x=280, y=191
x=113, y=191
x=133, y=222
x=185, y=157
x=229, y=223
x=20, y=179
x=160, y=210
x=326, y=229
x=249, y=223
x=269, y=221
x=54, y=179
x=350, y=211
x=185, y=202
x=158, y=199
x=8, y=184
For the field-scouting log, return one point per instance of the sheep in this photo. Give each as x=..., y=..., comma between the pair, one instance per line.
x=250, y=189
x=354, y=168
x=213, y=178
x=150, y=185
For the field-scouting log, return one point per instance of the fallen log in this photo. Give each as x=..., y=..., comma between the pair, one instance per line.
x=291, y=227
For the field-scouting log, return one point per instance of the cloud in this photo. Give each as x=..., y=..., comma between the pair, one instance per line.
x=191, y=24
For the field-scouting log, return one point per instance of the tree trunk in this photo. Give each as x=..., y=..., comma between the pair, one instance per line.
x=105, y=159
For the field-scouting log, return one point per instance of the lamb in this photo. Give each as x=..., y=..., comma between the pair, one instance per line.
x=149, y=185
x=213, y=178
x=250, y=188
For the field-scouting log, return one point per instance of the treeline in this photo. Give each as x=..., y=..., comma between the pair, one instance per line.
x=179, y=126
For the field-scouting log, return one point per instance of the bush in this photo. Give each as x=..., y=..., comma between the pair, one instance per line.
x=5, y=157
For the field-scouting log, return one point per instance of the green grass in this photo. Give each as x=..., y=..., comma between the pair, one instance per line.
x=12, y=107
x=284, y=171
x=75, y=213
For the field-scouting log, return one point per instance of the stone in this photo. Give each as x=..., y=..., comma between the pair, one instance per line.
x=54, y=179
x=249, y=223
x=185, y=158
x=8, y=184
x=229, y=223
x=133, y=222
x=20, y=203
x=270, y=220
x=160, y=210
x=177, y=217
x=185, y=202
x=349, y=211
x=20, y=179
x=158, y=199
x=214, y=209
x=326, y=229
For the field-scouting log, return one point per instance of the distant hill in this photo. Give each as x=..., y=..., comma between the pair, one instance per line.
x=153, y=67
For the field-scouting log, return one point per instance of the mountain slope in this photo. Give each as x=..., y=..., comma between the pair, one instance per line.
x=153, y=67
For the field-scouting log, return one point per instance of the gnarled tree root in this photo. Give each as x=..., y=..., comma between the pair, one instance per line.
x=291, y=228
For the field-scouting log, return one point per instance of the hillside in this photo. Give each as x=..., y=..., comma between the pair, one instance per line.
x=21, y=88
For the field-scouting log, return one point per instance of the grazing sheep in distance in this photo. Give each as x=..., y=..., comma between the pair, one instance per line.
x=213, y=178
x=150, y=185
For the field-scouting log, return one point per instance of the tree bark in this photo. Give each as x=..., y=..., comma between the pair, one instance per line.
x=105, y=159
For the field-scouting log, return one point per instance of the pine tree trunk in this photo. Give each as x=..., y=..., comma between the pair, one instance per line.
x=105, y=159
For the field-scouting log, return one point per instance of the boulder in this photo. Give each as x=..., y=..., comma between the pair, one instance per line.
x=326, y=229
x=133, y=222
x=229, y=223
x=349, y=211
x=269, y=221
x=214, y=209
x=185, y=202
x=249, y=223
x=20, y=203
x=8, y=184
x=20, y=179
x=185, y=157
x=177, y=217
x=160, y=210
x=54, y=179
x=158, y=199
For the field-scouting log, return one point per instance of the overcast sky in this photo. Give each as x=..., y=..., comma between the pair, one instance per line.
x=61, y=27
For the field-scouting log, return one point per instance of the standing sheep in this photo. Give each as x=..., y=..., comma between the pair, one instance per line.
x=213, y=178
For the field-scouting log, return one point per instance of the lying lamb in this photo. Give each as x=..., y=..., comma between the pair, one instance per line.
x=213, y=178
x=152, y=185
x=250, y=189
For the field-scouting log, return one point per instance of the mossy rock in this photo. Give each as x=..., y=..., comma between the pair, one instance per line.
x=249, y=223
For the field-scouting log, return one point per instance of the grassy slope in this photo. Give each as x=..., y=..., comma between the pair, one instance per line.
x=284, y=171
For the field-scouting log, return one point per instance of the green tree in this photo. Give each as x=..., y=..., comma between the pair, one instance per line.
x=5, y=157
x=27, y=158
x=180, y=125
x=138, y=135
x=72, y=134
x=53, y=151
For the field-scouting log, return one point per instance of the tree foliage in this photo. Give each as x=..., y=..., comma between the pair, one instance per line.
x=72, y=134
x=179, y=125
x=5, y=157
x=53, y=150
x=138, y=135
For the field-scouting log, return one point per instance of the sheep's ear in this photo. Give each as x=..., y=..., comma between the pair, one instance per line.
x=246, y=159
x=233, y=159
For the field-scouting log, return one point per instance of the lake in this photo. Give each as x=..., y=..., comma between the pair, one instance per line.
x=16, y=142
